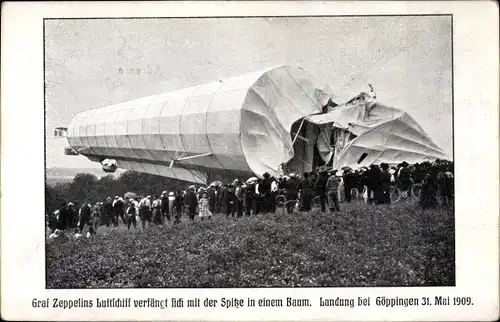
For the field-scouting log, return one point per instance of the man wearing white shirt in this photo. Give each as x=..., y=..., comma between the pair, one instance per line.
x=145, y=211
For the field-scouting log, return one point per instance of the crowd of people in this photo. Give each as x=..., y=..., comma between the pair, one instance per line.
x=260, y=195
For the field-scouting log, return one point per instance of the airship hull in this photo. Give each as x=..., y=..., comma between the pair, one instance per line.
x=237, y=126
x=275, y=120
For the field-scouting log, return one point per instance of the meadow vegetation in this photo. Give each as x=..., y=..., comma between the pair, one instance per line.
x=363, y=245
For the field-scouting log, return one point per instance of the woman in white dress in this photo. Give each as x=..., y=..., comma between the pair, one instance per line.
x=204, y=208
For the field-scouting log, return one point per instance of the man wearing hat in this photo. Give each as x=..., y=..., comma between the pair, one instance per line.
x=348, y=177
x=238, y=192
x=265, y=192
x=118, y=210
x=385, y=184
x=230, y=201
x=292, y=190
x=63, y=219
x=274, y=193
x=84, y=215
x=332, y=188
x=179, y=206
x=211, y=195
x=222, y=199
x=72, y=215
x=145, y=211
x=108, y=211
x=191, y=202
x=306, y=187
x=95, y=217
x=320, y=187
x=403, y=177
x=171, y=201
x=165, y=206
x=249, y=195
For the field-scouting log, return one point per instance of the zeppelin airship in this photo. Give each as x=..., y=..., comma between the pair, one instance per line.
x=276, y=120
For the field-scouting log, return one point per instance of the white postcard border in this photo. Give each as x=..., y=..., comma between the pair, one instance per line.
x=476, y=72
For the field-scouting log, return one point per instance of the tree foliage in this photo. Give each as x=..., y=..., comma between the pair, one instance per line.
x=87, y=186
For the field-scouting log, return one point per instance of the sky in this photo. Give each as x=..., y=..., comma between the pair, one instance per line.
x=94, y=63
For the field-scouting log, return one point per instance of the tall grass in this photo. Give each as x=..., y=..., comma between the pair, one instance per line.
x=363, y=245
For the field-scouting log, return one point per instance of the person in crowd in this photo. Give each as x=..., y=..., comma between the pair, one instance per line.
x=204, y=207
x=257, y=198
x=274, y=194
x=223, y=198
x=118, y=210
x=108, y=211
x=191, y=202
x=306, y=187
x=371, y=180
x=332, y=188
x=217, y=206
x=292, y=191
x=200, y=193
x=132, y=212
x=179, y=206
x=72, y=215
x=417, y=172
x=314, y=175
x=145, y=211
x=171, y=204
x=102, y=213
x=85, y=214
x=376, y=174
x=259, y=195
x=441, y=186
x=238, y=194
x=52, y=220
x=165, y=206
x=358, y=180
x=265, y=192
x=385, y=185
x=349, y=184
x=428, y=194
x=249, y=194
x=95, y=217
x=320, y=187
x=212, y=197
x=156, y=211
x=230, y=201
x=282, y=184
x=63, y=217
x=403, y=177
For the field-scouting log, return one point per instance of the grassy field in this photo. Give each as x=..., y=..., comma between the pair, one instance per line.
x=364, y=245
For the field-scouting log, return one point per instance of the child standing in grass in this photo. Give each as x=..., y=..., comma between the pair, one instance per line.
x=204, y=207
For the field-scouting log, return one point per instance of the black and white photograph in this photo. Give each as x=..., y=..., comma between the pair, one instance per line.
x=250, y=161
x=220, y=152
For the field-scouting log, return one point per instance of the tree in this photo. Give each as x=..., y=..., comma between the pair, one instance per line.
x=107, y=187
x=84, y=187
